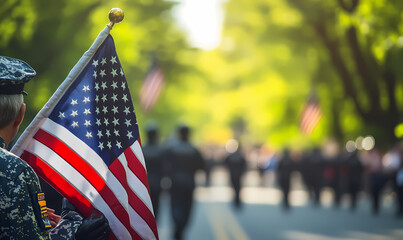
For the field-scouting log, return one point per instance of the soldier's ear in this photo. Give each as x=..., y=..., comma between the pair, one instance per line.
x=20, y=116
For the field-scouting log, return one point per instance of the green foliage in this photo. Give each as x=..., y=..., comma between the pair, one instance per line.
x=53, y=35
x=273, y=55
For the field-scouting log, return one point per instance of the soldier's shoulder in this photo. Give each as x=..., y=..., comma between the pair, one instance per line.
x=11, y=166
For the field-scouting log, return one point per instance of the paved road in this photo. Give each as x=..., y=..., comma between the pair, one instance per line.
x=263, y=218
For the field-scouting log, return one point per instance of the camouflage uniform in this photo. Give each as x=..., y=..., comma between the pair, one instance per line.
x=22, y=204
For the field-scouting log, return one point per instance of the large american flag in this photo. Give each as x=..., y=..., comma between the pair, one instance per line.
x=310, y=115
x=85, y=143
x=152, y=86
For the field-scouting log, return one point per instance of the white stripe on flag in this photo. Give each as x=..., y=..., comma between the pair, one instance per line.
x=136, y=148
x=154, y=87
x=80, y=183
x=152, y=82
x=311, y=117
x=99, y=166
x=151, y=88
x=85, y=153
x=135, y=184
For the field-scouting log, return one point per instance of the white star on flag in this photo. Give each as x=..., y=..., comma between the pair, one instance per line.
x=73, y=113
x=113, y=60
x=102, y=73
x=86, y=88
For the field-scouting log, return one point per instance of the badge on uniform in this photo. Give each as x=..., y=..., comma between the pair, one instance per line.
x=43, y=210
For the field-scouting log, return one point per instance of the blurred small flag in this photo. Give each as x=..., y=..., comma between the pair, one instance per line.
x=310, y=115
x=85, y=143
x=152, y=86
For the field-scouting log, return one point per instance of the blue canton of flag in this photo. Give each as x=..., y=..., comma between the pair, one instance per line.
x=98, y=109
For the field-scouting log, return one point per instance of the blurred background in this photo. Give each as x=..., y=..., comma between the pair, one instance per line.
x=314, y=78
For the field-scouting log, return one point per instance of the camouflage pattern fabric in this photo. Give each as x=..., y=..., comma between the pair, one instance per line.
x=22, y=216
x=14, y=71
x=67, y=227
x=18, y=187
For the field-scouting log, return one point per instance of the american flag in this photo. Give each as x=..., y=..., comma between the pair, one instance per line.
x=85, y=143
x=310, y=116
x=152, y=86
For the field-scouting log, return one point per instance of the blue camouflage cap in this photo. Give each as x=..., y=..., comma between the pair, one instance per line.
x=14, y=73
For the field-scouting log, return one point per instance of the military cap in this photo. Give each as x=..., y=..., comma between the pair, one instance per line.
x=14, y=73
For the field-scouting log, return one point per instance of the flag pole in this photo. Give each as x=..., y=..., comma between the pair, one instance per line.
x=116, y=15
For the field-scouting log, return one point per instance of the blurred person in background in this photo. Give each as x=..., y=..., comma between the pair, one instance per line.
x=392, y=164
x=341, y=178
x=155, y=161
x=236, y=164
x=399, y=184
x=267, y=165
x=312, y=171
x=334, y=170
x=354, y=177
x=208, y=152
x=376, y=178
x=183, y=160
x=284, y=169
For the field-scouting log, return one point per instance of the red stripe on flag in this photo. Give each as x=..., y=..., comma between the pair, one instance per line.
x=310, y=117
x=151, y=88
x=139, y=140
x=154, y=88
x=112, y=236
x=88, y=173
x=63, y=186
x=137, y=168
x=137, y=204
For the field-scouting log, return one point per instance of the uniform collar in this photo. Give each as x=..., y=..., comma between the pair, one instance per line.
x=2, y=143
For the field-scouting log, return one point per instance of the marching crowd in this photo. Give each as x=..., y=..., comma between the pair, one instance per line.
x=346, y=174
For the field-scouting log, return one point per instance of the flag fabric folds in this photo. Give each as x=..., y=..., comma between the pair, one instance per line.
x=310, y=116
x=85, y=142
x=152, y=86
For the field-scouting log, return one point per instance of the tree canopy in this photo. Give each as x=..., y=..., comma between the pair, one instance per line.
x=274, y=54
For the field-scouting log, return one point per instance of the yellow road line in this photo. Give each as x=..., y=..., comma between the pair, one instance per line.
x=216, y=222
x=223, y=221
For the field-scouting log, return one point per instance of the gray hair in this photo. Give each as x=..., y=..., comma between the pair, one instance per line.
x=10, y=106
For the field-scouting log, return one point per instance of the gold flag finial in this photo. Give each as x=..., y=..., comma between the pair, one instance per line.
x=116, y=15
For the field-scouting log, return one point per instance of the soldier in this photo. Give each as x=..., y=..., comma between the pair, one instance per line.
x=313, y=174
x=23, y=210
x=399, y=187
x=184, y=160
x=354, y=177
x=236, y=164
x=284, y=171
x=154, y=156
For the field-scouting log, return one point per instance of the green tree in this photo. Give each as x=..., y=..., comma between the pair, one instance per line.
x=348, y=51
x=273, y=55
x=362, y=41
x=52, y=35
